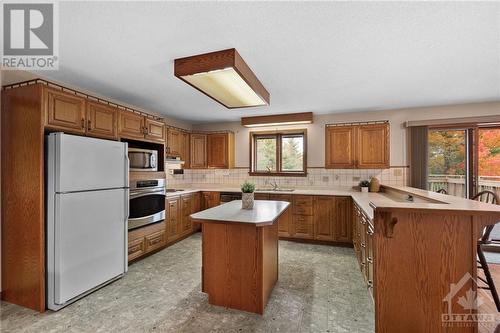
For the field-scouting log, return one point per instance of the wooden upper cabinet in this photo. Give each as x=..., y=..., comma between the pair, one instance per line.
x=102, y=120
x=220, y=152
x=64, y=111
x=342, y=226
x=340, y=147
x=198, y=151
x=373, y=146
x=131, y=125
x=173, y=142
x=185, y=148
x=357, y=146
x=154, y=130
x=324, y=207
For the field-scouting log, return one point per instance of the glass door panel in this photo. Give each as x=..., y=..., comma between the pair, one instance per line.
x=447, y=161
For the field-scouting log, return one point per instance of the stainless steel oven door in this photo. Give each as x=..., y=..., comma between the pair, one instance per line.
x=146, y=206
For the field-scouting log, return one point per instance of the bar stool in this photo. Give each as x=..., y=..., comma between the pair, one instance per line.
x=487, y=197
x=442, y=191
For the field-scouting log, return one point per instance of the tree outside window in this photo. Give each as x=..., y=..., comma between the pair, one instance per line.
x=279, y=153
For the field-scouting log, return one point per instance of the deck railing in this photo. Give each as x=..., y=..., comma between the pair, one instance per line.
x=455, y=184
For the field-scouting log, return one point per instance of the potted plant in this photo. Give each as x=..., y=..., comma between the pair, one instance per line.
x=247, y=196
x=364, y=184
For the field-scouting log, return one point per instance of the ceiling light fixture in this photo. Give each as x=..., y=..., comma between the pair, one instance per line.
x=223, y=76
x=278, y=120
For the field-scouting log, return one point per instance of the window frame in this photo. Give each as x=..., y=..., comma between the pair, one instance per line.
x=278, y=135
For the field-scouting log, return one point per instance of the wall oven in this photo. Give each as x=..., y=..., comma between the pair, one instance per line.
x=146, y=202
x=142, y=159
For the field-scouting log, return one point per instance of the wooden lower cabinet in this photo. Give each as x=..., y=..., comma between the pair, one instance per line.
x=209, y=199
x=285, y=221
x=173, y=214
x=363, y=244
x=302, y=227
x=186, y=210
x=144, y=240
x=342, y=221
x=324, y=218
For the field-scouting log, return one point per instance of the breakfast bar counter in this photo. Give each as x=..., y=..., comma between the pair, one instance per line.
x=240, y=253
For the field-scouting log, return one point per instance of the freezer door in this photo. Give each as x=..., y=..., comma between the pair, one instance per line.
x=89, y=241
x=83, y=163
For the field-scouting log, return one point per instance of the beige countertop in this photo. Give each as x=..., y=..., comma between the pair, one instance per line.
x=370, y=201
x=264, y=212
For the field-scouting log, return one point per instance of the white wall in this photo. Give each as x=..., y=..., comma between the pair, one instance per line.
x=316, y=131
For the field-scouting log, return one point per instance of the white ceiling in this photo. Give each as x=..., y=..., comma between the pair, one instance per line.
x=323, y=57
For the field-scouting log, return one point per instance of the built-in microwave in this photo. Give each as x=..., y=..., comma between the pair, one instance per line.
x=142, y=159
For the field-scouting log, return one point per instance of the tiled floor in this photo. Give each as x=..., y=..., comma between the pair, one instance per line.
x=320, y=289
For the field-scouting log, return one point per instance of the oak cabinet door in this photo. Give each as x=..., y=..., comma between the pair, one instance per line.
x=217, y=155
x=303, y=227
x=186, y=202
x=185, y=148
x=342, y=226
x=340, y=147
x=373, y=146
x=173, y=224
x=324, y=218
x=173, y=142
x=131, y=125
x=285, y=221
x=136, y=248
x=210, y=199
x=102, y=120
x=155, y=130
x=64, y=111
x=155, y=240
x=198, y=151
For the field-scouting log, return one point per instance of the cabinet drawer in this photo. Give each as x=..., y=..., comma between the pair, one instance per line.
x=136, y=248
x=303, y=226
x=303, y=204
x=155, y=240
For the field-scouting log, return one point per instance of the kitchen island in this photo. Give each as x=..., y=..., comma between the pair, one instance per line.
x=240, y=253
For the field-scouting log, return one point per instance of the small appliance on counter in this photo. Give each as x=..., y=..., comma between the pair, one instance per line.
x=173, y=165
x=87, y=213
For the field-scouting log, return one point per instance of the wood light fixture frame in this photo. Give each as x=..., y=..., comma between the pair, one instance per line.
x=278, y=120
x=219, y=60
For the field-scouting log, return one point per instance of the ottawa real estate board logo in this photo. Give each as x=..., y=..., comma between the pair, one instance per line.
x=30, y=35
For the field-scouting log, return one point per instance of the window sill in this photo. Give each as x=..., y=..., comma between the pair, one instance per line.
x=278, y=174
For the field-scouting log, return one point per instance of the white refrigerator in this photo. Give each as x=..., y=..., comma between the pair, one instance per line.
x=87, y=213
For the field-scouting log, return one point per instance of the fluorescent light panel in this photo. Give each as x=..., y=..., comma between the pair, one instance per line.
x=225, y=86
x=280, y=123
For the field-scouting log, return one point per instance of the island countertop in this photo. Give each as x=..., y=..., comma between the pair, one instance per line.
x=264, y=212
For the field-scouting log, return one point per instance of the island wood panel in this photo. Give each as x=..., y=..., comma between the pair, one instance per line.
x=23, y=227
x=239, y=264
x=415, y=266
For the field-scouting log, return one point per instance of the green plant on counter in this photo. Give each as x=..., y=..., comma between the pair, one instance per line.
x=364, y=183
x=247, y=187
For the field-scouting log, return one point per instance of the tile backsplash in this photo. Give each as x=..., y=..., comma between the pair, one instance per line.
x=316, y=177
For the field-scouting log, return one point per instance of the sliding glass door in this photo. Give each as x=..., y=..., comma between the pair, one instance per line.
x=464, y=161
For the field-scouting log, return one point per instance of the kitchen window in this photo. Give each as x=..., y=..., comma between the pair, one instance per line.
x=278, y=153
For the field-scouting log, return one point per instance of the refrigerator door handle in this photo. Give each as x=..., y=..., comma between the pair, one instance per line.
x=127, y=213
